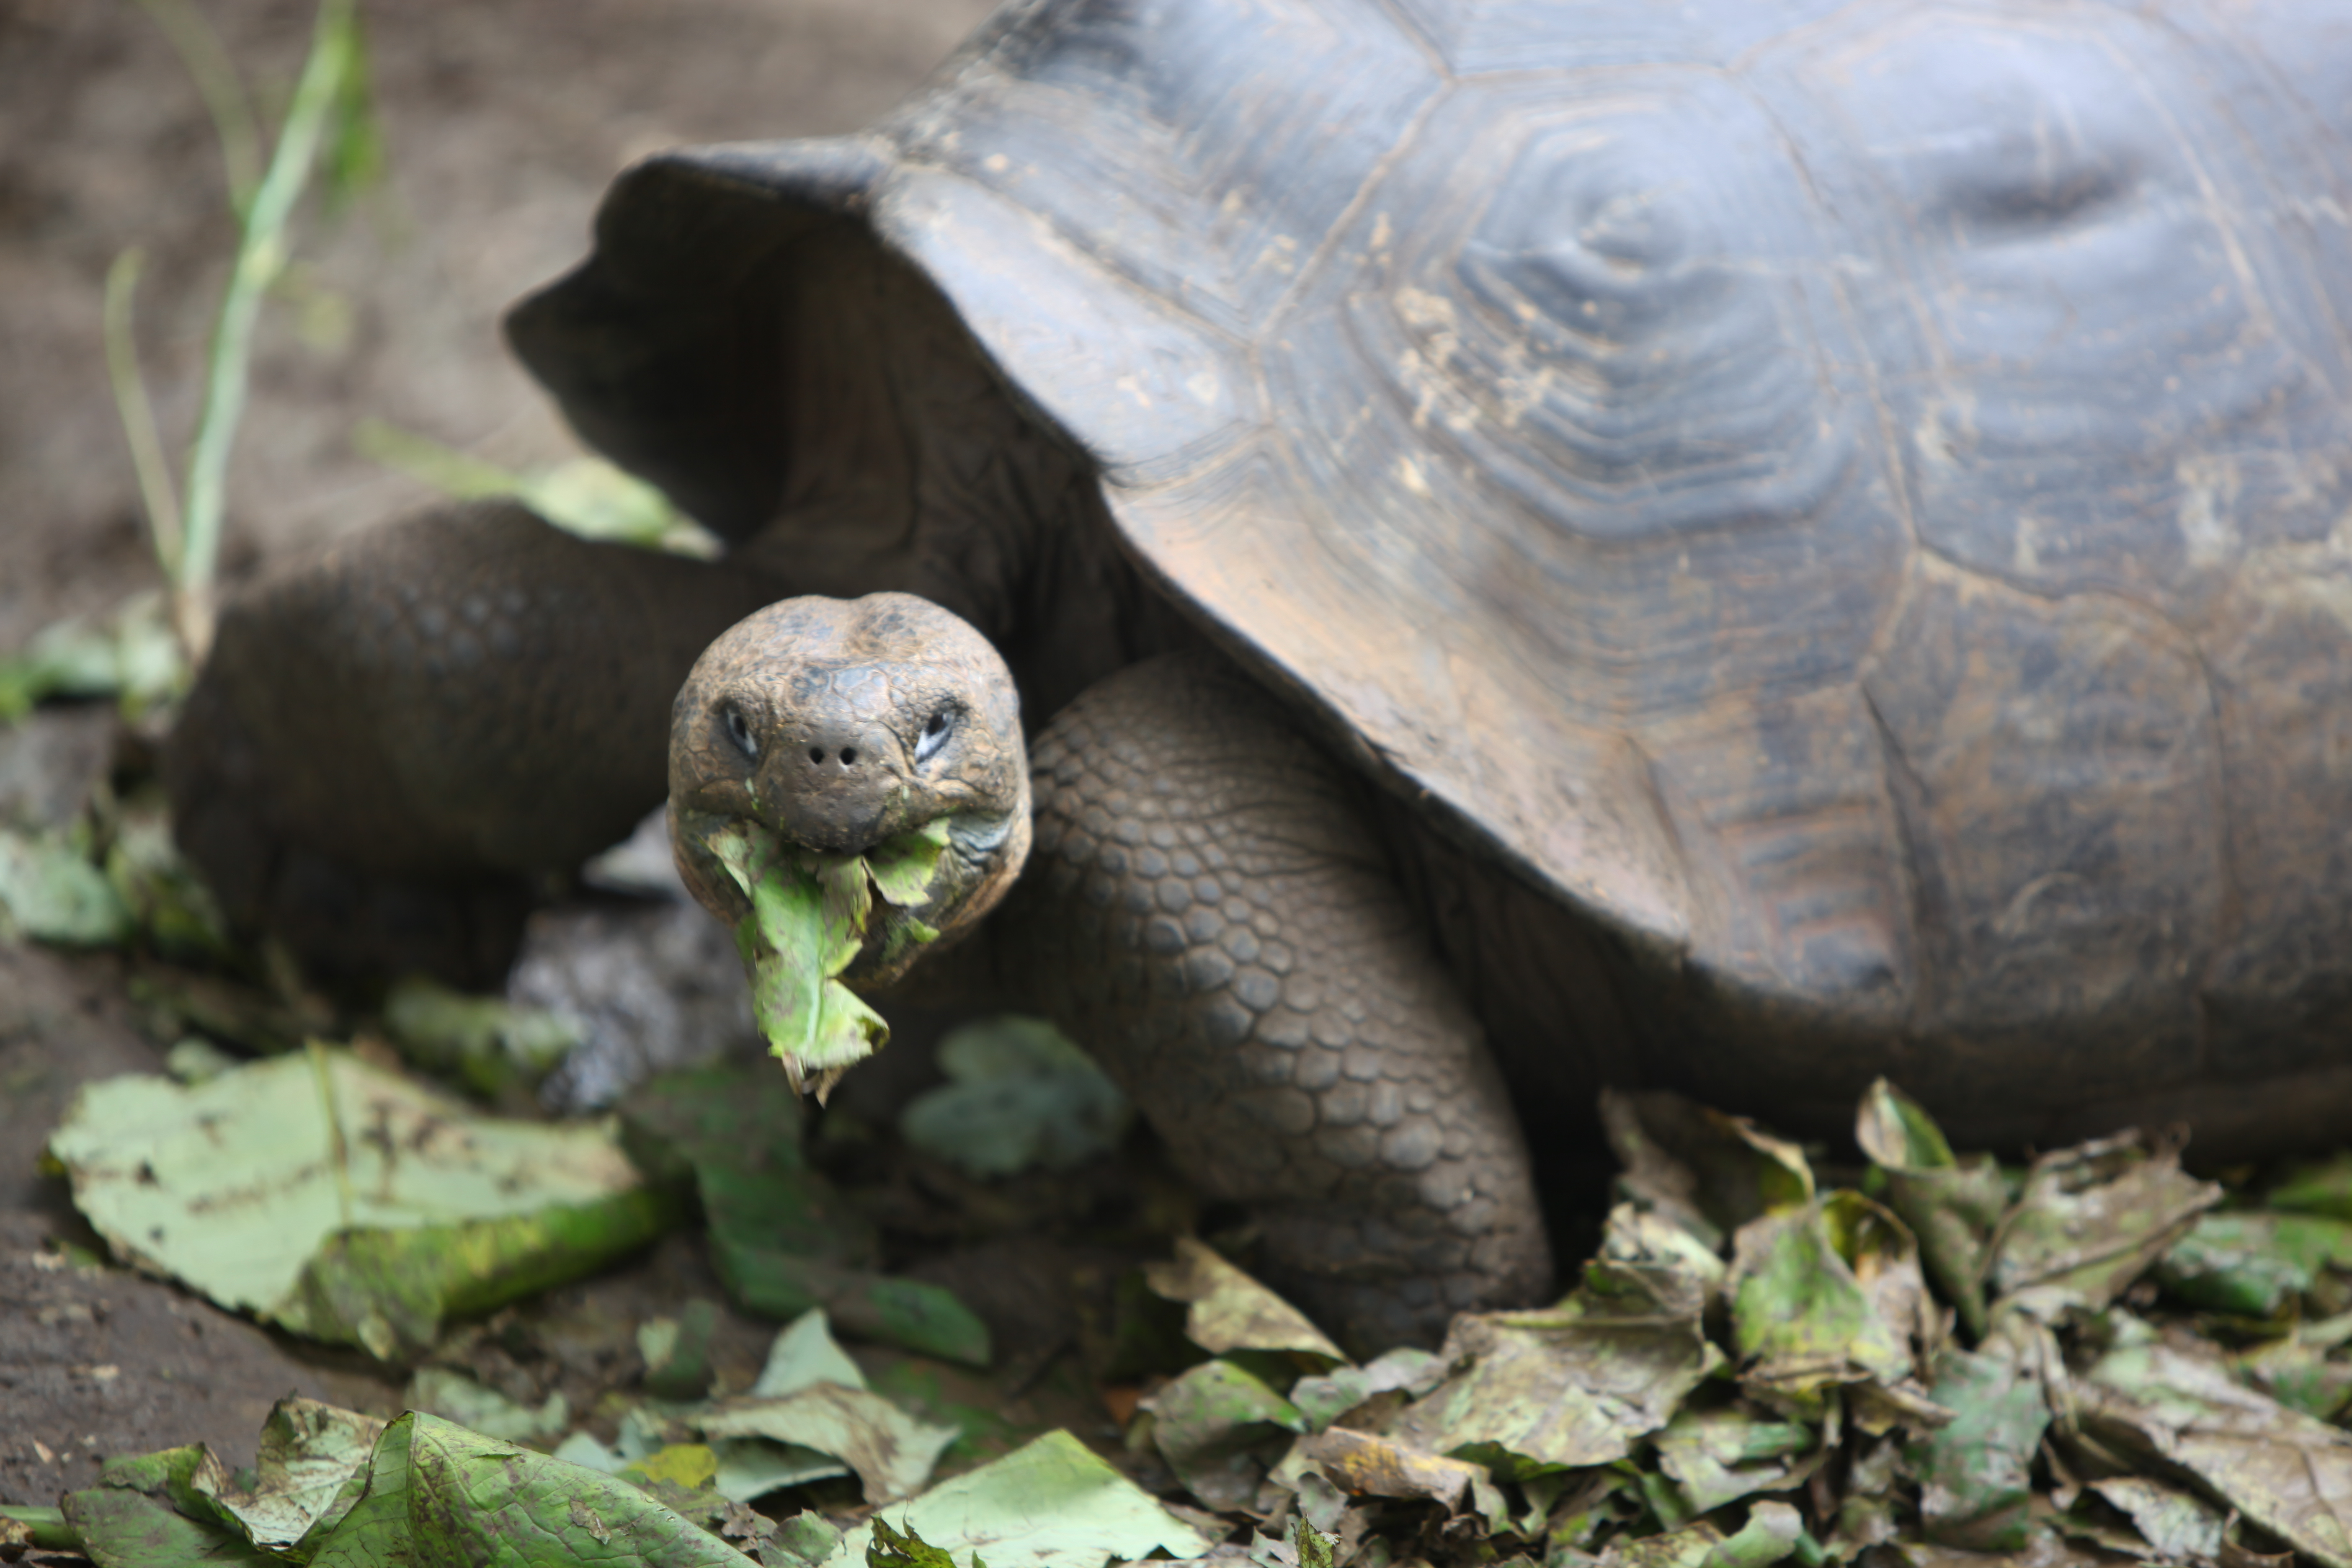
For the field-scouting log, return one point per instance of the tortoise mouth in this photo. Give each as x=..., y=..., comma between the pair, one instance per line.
x=915, y=884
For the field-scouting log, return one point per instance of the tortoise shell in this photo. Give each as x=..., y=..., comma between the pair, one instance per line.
x=1852, y=500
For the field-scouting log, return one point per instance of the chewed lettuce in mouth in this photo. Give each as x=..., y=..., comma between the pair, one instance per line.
x=812, y=916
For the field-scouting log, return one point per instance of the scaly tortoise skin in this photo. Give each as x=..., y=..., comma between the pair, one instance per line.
x=1733, y=545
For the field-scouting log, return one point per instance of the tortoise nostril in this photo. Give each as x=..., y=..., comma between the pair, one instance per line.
x=817, y=753
x=849, y=756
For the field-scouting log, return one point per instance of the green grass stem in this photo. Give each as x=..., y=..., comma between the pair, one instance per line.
x=215, y=76
x=260, y=255
x=138, y=414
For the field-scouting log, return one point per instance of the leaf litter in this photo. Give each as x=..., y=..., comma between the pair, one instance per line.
x=1750, y=1369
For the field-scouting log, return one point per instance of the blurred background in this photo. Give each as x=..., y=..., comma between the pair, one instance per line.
x=501, y=122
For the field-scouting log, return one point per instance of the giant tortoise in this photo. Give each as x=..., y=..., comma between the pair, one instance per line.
x=1739, y=545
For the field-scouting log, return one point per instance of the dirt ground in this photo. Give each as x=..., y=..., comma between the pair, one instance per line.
x=503, y=120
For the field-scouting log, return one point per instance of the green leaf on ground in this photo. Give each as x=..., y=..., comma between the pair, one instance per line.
x=1975, y=1486
x=486, y=1042
x=2253, y=1264
x=1802, y=1318
x=891, y=1452
x=920, y=1316
x=438, y=1494
x=1228, y=1311
x=343, y=1201
x=130, y=654
x=1048, y=1504
x=1019, y=1097
x=1220, y=1427
x=2320, y=1186
x=2092, y=1220
x=781, y=1236
x=144, y=1512
x=50, y=892
x=1953, y=1206
x=161, y=892
x=735, y=1132
x=1324, y=1397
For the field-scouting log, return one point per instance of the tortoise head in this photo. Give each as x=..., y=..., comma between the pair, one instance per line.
x=839, y=725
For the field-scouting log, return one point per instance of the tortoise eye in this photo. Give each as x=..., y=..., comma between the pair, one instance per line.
x=934, y=735
x=739, y=731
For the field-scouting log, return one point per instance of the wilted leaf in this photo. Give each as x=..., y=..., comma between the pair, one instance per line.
x=1953, y=1206
x=438, y=1494
x=50, y=892
x=1211, y=1425
x=1975, y=1489
x=1228, y=1311
x=1800, y=1317
x=1693, y=1165
x=2181, y=1527
x=2299, y=1372
x=1048, y=1504
x=2286, y=1472
x=804, y=1354
x=1019, y=1097
x=1364, y=1466
x=1720, y=1456
x=1578, y=1384
x=1326, y=1396
x=451, y=1395
x=804, y=1538
x=311, y=1469
x=1772, y=1532
x=1869, y=1513
x=751, y=1468
x=2091, y=1220
x=891, y=1451
x=2253, y=1264
x=344, y=1201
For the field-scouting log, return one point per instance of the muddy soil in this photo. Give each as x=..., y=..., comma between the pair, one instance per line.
x=502, y=122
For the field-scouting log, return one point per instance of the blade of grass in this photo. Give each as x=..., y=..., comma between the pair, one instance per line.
x=260, y=255
x=215, y=74
x=137, y=415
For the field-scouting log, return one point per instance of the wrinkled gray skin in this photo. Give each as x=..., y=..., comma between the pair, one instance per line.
x=1731, y=546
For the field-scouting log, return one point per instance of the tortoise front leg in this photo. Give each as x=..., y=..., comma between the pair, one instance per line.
x=388, y=743
x=1208, y=909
